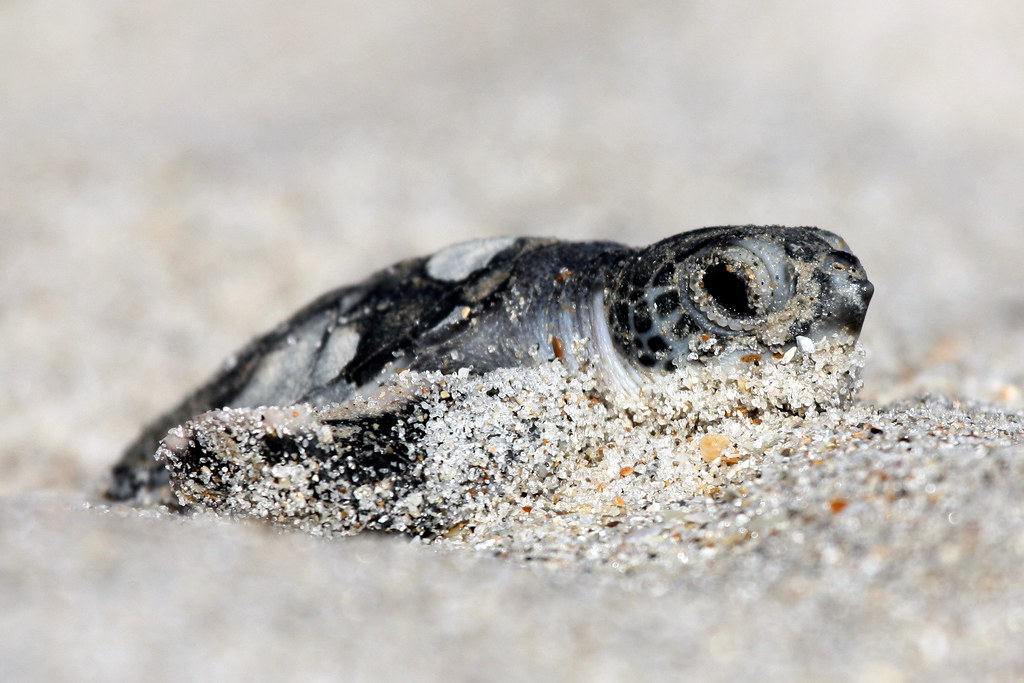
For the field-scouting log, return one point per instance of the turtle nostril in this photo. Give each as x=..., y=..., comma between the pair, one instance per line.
x=866, y=290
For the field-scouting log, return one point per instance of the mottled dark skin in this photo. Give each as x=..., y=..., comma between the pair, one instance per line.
x=653, y=319
x=523, y=305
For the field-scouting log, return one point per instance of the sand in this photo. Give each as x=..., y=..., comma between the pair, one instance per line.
x=176, y=177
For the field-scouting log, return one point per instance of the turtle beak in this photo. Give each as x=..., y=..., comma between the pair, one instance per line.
x=845, y=306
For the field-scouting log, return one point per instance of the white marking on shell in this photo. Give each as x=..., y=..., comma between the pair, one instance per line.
x=338, y=352
x=280, y=377
x=459, y=261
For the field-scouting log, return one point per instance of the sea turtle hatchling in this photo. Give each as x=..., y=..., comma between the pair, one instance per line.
x=344, y=441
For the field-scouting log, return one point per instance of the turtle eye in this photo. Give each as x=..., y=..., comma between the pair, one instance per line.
x=738, y=285
x=728, y=289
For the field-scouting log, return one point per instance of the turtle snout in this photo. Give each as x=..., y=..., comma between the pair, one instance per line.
x=847, y=303
x=867, y=290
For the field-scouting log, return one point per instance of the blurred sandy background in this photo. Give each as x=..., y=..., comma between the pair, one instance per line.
x=176, y=176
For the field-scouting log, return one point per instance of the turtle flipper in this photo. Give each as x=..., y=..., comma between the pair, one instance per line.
x=325, y=470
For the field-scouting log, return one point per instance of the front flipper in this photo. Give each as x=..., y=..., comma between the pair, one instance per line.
x=324, y=470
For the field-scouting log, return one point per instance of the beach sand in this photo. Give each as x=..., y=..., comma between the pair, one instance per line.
x=176, y=177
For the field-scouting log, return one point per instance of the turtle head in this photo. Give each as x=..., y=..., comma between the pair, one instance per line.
x=751, y=288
